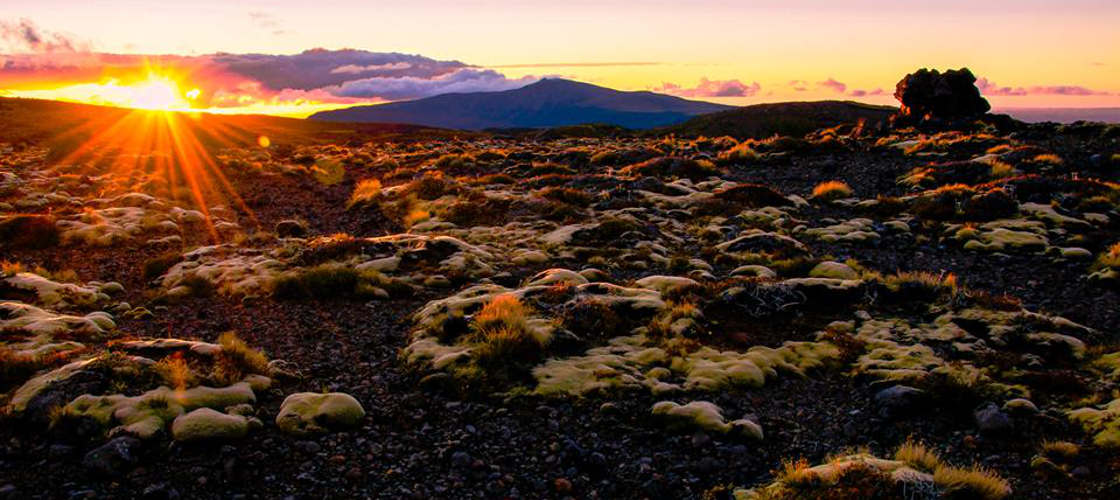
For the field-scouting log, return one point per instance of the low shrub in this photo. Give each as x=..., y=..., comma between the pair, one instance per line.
x=832, y=190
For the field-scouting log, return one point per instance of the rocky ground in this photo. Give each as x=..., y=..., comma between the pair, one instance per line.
x=852, y=314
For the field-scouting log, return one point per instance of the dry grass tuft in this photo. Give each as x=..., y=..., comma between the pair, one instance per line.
x=366, y=193
x=1060, y=449
x=175, y=372
x=832, y=190
x=973, y=482
x=503, y=311
x=236, y=360
x=918, y=456
x=502, y=333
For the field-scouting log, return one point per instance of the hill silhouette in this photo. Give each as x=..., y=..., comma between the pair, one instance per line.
x=784, y=118
x=548, y=103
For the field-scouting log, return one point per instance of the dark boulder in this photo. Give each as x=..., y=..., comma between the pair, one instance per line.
x=991, y=420
x=900, y=400
x=929, y=95
x=114, y=458
x=291, y=229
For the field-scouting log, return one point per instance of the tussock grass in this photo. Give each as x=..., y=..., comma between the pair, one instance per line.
x=1059, y=449
x=237, y=360
x=501, y=332
x=175, y=372
x=972, y=482
x=832, y=190
x=503, y=311
x=1001, y=170
x=918, y=456
x=741, y=153
x=1110, y=258
x=330, y=280
x=366, y=193
x=1049, y=159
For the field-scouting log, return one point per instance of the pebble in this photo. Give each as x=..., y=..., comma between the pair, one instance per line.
x=308, y=447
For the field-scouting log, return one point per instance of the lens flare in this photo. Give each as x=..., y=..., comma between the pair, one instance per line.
x=157, y=94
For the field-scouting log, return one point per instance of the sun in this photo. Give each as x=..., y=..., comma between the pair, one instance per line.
x=157, y=93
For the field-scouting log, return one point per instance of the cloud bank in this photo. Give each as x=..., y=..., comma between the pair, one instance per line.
x=24, y=36
x=234, y=80
x=990, y=88
x=712, y=88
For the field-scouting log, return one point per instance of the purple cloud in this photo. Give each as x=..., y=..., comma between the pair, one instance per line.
x=24, y=36
x=865, y=93
x=990, y=88
x=712, y=88
x=318, y=68
x=833, y=85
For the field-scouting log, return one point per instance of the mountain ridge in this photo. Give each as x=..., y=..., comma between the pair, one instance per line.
x=550, y=102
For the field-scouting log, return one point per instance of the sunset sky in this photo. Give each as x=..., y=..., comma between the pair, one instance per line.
x=239, y=56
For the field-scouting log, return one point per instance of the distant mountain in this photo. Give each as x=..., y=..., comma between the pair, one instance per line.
x=550, y=102
x=783, y=118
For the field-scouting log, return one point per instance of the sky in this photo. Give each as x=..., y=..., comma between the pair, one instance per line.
x=285, y=57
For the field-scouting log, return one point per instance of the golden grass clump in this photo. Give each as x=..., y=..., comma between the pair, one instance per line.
x=795, y=472
x=1110, y=258
x=236, y=360
x=502, y=332
x=972, y=482
x=1059, y=449
x=742, y=152
x=832, y=190
x=1049, y=159
x=1002, y=170
x=175, y=372
x=504, y=310
x=999, y=149
x=918, y=456
x=366, y=192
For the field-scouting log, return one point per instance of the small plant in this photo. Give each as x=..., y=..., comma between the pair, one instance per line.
x=999, y=149
x=501, y=332
x=236, y=360
x=328, y=281
x=741, y=153
x=1059, y=449
x=832, y=190
x=454, y=161
x=366, y=193
x=429, y=187
x=918, y=456
x=504, y=310
x=669, y=320
x=567, y=195
x=1001, y=170
x=1110, y=258
x=1049, y=159
x=416, y=216
x=973, y=482
x=175, y=372
x=930, y=282
x=506, y=343
x=796, y=473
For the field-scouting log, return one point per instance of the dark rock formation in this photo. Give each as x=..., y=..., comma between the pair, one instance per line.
x=929, y=95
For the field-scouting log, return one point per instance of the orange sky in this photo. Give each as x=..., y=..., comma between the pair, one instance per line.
x=1031, y=53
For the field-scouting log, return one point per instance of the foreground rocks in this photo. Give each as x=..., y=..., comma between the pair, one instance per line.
x=586, y=317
